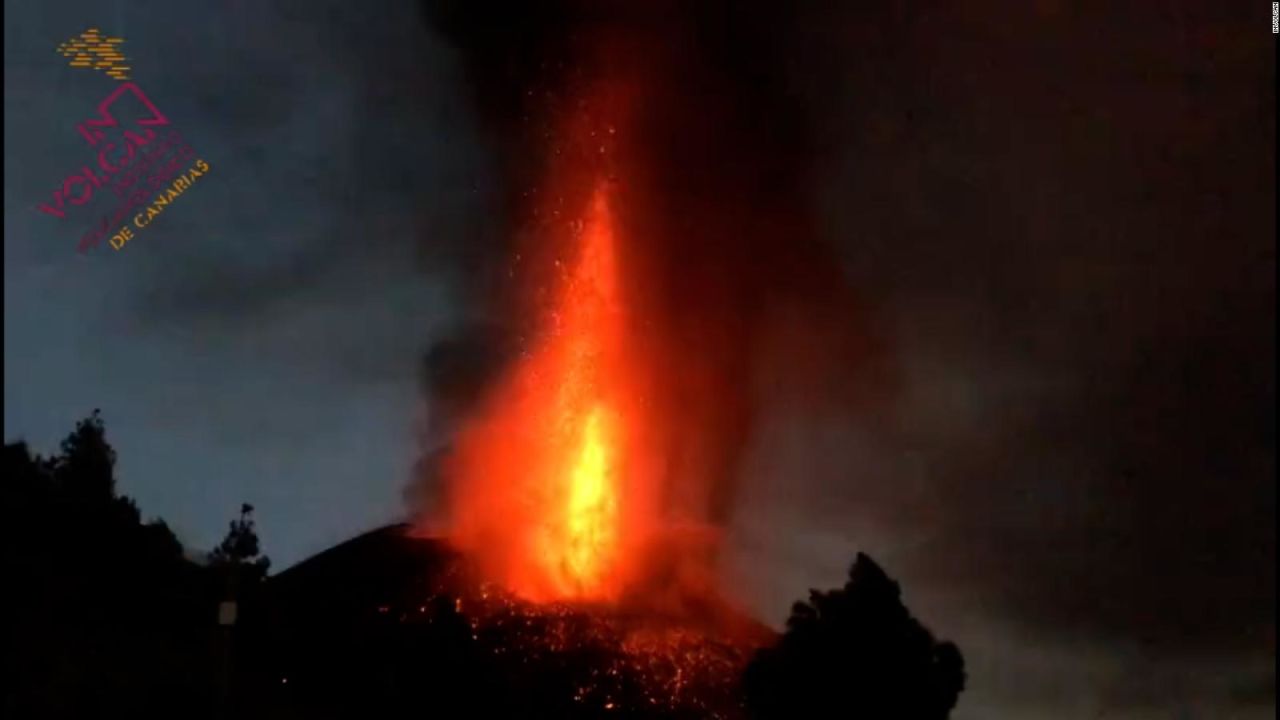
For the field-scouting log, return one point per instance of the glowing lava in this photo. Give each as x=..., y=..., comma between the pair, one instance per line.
x=579, y=542
x=540, y=482
x=592, y=511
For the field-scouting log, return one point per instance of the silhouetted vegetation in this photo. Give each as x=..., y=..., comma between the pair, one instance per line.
x=107, y=611
x=110, y=616
x=239, y=556
x=856, y=652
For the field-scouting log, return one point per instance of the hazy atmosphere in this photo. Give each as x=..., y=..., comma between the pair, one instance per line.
x=1051, y=225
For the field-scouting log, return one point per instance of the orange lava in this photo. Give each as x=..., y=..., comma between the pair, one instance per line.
x=539, y=488
x=577, y=537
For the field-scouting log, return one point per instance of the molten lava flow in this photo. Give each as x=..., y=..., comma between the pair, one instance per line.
x=539, y=491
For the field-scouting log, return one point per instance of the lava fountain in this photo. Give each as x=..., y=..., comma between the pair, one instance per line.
x=576, y=539
x=541, y=494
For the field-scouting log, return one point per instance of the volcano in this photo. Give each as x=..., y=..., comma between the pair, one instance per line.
x=389, y=622
x=585, y=490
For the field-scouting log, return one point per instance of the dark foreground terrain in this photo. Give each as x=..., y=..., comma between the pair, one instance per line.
x=112, y=615
x=388, y=622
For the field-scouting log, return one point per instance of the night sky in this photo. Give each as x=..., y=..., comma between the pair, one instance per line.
x=1059, y=219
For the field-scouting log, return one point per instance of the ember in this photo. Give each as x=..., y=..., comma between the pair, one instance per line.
x=603, y=656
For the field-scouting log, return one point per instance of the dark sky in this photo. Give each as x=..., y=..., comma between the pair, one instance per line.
x=260, y=341
x=1060, y=216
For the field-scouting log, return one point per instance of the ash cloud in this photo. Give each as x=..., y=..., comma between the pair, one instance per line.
x=1066, y=218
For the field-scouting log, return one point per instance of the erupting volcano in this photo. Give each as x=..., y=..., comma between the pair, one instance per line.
x=650, y=271
x=551, y=503
x=559, y=495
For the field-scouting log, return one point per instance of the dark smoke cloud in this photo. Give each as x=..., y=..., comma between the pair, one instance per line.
x=1066, y=214
x=1098, y=223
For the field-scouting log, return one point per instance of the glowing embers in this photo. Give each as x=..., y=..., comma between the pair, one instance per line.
x=611, y=660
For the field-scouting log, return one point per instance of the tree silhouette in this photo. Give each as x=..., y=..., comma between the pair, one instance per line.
x=240, y=549
x=855, y=652
x=107, y=610
x=86, y=466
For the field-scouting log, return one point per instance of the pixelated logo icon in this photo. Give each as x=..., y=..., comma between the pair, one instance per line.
x=90, y=49
x=91, y=129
